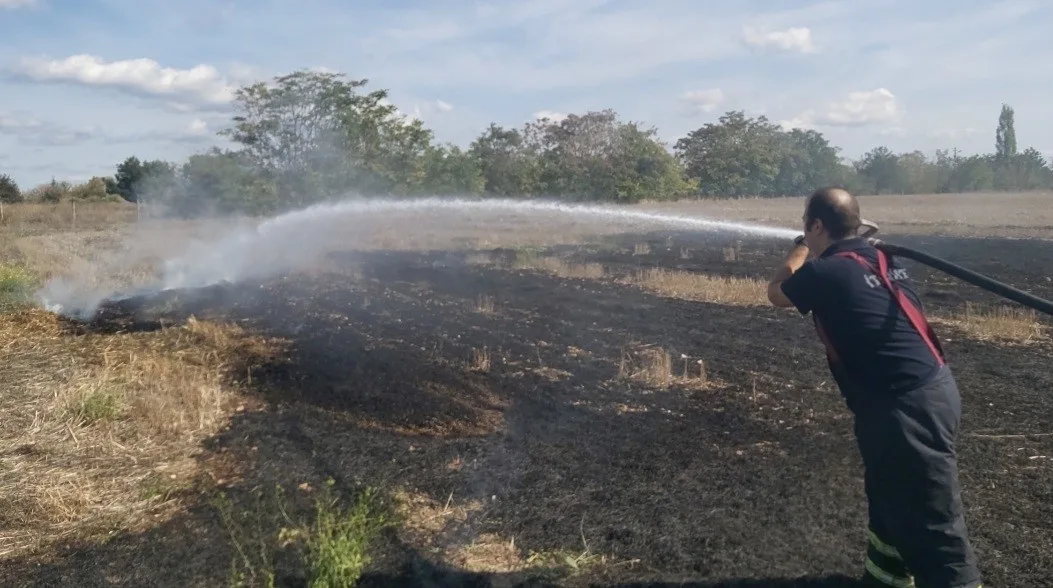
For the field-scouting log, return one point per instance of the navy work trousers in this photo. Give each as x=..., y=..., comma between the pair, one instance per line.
x=917, y=523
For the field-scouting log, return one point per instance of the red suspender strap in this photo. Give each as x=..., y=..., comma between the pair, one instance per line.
x=913, y=313
x=831, y=353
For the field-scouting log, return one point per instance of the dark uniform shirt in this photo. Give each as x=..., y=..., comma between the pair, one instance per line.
x=880, y=350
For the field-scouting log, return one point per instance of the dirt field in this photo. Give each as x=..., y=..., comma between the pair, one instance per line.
x=599, y=412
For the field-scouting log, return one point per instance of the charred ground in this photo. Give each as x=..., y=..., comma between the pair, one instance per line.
x=509, y=405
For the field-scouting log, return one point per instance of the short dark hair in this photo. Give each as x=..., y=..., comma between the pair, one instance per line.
x=838, y=210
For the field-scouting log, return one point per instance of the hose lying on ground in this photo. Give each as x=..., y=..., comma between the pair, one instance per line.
x=970, y=276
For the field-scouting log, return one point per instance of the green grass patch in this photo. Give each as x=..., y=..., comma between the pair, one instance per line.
x=339, y=542
x=329, y=551
x=159, y=487
x=17, y=284
x=95, y=406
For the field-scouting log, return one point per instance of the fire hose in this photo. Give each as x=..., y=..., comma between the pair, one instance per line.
x=967, y=275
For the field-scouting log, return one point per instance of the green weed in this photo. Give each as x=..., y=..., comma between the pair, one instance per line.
x=255, y=537
x=94, y=406
x=339, y=542
x=16, y=286
x=159, y=487
x=332, y=551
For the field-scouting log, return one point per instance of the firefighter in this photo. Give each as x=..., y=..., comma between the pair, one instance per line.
x=891, y=371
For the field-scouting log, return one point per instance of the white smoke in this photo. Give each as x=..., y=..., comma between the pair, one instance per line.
x=296, y=239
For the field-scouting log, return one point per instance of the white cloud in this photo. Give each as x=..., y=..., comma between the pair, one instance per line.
x=556, y=117
x=201, y=83
x=798, y=122
x=443, y=106
x=16, y=3
x=797, y=39
x=861, y=108
x=703, y=100
x=198, y=127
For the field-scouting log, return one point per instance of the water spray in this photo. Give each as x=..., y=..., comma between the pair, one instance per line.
x=967, y=275
x=294, y=239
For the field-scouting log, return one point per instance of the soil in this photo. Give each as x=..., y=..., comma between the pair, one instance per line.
x=749, y=478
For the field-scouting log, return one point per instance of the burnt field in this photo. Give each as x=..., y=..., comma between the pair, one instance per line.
x=580, y=415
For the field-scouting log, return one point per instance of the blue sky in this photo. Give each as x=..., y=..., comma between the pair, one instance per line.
x=86, y=83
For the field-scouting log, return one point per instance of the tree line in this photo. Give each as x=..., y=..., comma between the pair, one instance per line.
x=311, y=136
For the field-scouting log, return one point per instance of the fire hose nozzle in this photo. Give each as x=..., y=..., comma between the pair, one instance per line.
x=870, y=227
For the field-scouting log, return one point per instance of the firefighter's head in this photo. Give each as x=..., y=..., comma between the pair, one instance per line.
x=830, y=215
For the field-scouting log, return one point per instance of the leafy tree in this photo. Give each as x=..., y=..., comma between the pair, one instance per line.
x=884, y=172
x=129, y=173
x=1005, y=135
x=595, y=156
x=222, y=182
x=808, y=161
x=644, y=168
x=319, y=137
x=737, y=156
x=397, y=164
x=9, y=190
x=137, y=180
x=509, y=163
x=94, y=190
x=921, y=176
x=975, y=173
x=448, y=170
x=1024, y=171
x=50, y=192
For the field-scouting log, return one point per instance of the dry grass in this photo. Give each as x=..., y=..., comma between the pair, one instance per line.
x=37, y=218
x=480, y=360
x=999, y=323
x=672, y=283
x=99, y=429
x=446, y=529
x=701, y=287
x=655, y=367
x=561, y=267
x=484, y=304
